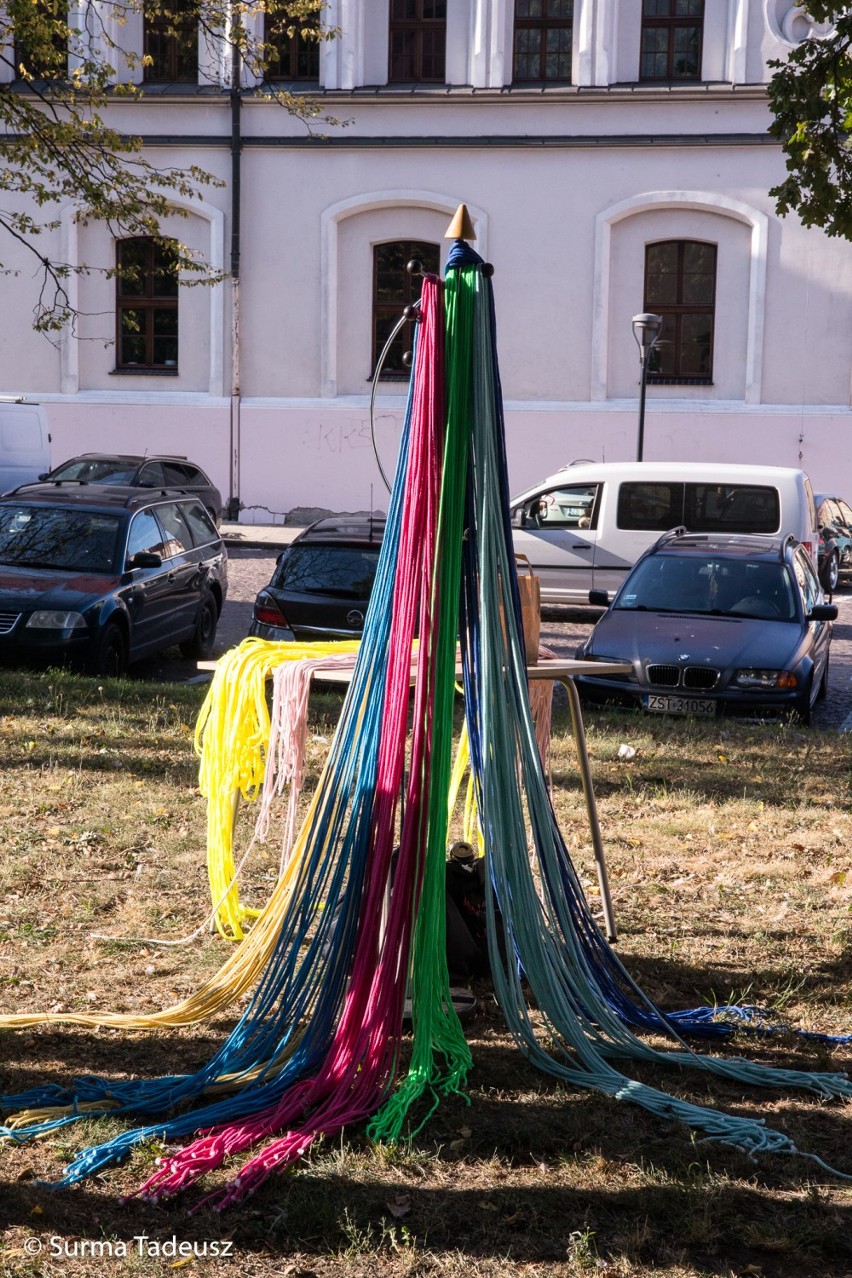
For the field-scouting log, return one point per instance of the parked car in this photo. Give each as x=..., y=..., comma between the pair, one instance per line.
x=322, y=582
x=103, y=575
x=834, y=518
x=140, y=472
x=584, y=528
x=715, y=624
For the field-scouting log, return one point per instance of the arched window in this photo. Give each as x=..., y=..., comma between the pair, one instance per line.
x=544, y=32
x=680, y=285
x=393, y=290
x=290, y=57
x=671, y=39
x=418, y=41
x=146, y=306
x=171, y=42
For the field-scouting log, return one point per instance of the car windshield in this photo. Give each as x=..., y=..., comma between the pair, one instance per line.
x=710, y=584
x=97, y=472
x=328, y=570
x=56, y=537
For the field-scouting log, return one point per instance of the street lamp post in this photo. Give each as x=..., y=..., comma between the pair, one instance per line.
x=646, y=330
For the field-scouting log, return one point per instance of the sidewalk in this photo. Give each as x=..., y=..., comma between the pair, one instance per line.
x=257, y=536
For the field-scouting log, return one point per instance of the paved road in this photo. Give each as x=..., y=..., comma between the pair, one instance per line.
x=562, y=630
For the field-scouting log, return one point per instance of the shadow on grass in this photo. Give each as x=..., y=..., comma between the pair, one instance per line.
x=560, y=1174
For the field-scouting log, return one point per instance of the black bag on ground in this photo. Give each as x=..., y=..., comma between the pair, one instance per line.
x=467, y=937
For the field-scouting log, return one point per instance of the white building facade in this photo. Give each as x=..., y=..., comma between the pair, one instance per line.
x=614, y=157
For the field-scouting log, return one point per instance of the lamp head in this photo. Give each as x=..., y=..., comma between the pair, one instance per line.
x=646, y=330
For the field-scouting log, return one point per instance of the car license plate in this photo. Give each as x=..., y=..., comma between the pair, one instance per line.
x=679, y=705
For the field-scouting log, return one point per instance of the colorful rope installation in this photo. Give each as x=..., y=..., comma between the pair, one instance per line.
x=313, y=1053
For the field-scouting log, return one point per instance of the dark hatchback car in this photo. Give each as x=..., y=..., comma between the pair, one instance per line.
x=103, y=576
x=322, y=582
x=715, y=623
x=136, y=471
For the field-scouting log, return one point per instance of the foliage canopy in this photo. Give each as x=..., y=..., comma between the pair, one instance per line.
x=810, y=96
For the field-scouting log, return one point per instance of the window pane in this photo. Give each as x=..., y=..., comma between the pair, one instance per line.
x=199, y=523
x=133, y=259
x=391, y=275
x=165, y=351
x=686, y=44
x=560, y=8
x=403, y=55
x=654, y=507
x=328, y=569
x=177, y=536
x=664, y=355
x=433, y=56
x=166, y=322
x=145, y=535
x=696, y=338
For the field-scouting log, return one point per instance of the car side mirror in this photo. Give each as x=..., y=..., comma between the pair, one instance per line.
x=823, y=612
x=600, y=598
x=518, y=517
x=145, y=559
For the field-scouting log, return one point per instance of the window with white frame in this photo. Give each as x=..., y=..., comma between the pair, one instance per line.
x=417, y=41
x=170, y=42
x=544, y=33
x=290, y=54
x=671, y=40
x=146, y=306
x=680, y=286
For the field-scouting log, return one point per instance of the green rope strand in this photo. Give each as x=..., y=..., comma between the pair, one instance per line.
x=440, y=1057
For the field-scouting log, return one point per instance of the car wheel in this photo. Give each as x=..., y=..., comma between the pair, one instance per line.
x=201, y=643
x=823, y=683
x=830, y=574
x=109, y=657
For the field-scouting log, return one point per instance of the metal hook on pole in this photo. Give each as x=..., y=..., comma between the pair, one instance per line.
x=411, y=312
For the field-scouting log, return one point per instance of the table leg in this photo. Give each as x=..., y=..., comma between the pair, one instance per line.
x=591, y=807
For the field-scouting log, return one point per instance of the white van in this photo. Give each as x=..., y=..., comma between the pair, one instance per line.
x=24, y=444
x=584, y=527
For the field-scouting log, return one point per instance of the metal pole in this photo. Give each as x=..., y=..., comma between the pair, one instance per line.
x=640, y=443
x=236, y=154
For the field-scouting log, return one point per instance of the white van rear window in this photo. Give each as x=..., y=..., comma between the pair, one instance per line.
x=656, y=507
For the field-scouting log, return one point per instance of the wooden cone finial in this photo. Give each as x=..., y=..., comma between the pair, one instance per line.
x=461, y=227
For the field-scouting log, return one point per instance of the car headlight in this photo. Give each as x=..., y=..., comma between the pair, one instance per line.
x=752, y=678
x=47, y=619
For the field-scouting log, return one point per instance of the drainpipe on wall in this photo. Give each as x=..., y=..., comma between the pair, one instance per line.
x=233, y=511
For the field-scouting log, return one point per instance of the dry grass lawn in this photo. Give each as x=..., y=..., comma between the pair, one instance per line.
x=729, y=855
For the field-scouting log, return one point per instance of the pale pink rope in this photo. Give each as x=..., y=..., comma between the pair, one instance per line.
x=288, y=737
